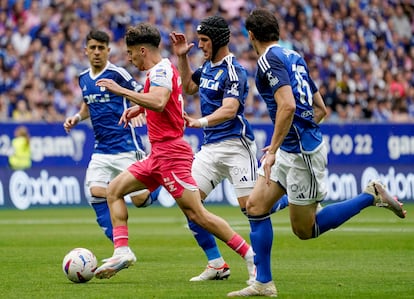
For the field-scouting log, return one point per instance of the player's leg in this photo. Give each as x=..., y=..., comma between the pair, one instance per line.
x=98, y=175
x=123, y=257
x=259, y=205
x=205, y=175
x=333, y=215
x=192, y=207
x=306, y=223
x=100, y=206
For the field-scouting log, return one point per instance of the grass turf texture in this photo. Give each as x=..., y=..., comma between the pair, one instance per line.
x=371, y=256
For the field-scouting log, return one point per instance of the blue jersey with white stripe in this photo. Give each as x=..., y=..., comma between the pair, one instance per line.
x=277, y=67
x=225, y=79
x=106, y=108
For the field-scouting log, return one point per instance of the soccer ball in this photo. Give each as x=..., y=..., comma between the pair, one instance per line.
x=79, y=265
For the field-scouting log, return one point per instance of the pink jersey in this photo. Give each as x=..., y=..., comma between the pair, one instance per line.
x=168, y=124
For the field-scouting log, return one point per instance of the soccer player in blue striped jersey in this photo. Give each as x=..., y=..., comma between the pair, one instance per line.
x=116, y=147
x=229, y=149
x=296, y=159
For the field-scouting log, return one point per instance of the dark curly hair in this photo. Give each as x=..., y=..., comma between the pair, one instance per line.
x=143, y=33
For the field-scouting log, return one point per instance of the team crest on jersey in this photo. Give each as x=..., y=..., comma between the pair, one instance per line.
x=218, y=74
x=273, y=81
x=84, y=88
x=234, y=90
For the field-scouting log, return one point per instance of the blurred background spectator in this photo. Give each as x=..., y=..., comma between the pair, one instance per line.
x=360, y=53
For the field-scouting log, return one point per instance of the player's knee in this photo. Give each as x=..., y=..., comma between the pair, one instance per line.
x=197, y=218
x=303, y=234
x=112, y=193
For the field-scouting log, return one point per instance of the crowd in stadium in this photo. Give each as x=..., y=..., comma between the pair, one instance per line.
x=360, y=52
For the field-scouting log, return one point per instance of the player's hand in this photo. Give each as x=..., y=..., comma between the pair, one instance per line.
x=110, y=85
x=191, y=122
x=268, y=160
x=179, y=43
x=129, y=114
x=70, y=122
x=138, y=121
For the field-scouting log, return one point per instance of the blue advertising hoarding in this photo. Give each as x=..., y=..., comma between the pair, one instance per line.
x=357, y=154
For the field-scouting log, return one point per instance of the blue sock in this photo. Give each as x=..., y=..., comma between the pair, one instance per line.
x=333, y=215
x=103, y=217
x=205, y=240
x=261, y=237
x=280, y=204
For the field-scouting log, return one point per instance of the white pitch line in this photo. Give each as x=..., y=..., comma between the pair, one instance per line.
x=278, y=226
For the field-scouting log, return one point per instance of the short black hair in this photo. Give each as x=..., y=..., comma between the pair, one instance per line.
x=263, y=24
x=143, y=33
x=98, y=35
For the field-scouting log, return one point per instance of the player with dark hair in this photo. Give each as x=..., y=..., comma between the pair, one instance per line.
x=169, y=163
x=116, y=147
x=295, y=161
x=228, y=150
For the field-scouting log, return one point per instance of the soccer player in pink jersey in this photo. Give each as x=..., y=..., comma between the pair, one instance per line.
x=170, y=160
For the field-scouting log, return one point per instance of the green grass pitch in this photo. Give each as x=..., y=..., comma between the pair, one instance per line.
x=371, y=256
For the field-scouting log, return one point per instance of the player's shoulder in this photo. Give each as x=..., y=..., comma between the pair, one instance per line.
x=232, y=61
x=84, y=72
x=119, y=70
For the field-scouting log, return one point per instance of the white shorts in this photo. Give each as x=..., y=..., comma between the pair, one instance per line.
x=234, y=159
x=301, y=175
x=103, y=168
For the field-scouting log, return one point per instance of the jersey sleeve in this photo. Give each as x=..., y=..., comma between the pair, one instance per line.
x=161, y=76
x=126, y=80
x=235, y=84
x=277, y=75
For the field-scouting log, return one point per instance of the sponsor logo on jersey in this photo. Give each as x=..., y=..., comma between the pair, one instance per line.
x=96, y=98
x=209, y=84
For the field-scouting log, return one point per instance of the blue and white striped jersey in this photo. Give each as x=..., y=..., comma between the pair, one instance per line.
x=106, y=108
x=225, y=79
x=279, y=66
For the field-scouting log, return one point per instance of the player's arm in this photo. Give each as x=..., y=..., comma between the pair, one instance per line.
x=181, y=48
x=72, y=121
x=155, y=99
x=286, y=107
x=319, y=107
x=227, y=111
